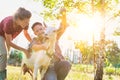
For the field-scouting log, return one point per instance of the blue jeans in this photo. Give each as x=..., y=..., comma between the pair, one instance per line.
x=3, y=58
x=3, y=75
x=58, y=72
x=50, y=74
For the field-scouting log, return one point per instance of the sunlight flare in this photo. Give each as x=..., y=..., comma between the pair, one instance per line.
x=85, y=26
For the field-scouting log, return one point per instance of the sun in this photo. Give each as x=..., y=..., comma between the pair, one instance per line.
x=84, y=27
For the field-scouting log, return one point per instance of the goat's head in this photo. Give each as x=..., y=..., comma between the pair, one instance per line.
x=51, y=34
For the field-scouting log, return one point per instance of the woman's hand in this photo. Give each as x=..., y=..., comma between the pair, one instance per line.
x=27, y=53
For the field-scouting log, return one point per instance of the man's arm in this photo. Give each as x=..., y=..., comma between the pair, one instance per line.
x=58, y=52
x=35, y=46
x=63, y=24
x=60, y=31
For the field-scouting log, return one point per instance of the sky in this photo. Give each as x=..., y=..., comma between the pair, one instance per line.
x=8, y=7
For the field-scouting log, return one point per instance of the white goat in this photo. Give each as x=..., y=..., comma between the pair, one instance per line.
x=40, y=60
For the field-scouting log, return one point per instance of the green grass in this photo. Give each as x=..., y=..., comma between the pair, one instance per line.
x=14, y=74
x=78, y=72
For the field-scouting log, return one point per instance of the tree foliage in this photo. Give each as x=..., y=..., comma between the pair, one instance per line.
x=113, y=53
x=83, y=6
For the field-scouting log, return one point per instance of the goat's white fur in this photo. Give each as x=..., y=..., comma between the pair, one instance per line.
x=40, y=58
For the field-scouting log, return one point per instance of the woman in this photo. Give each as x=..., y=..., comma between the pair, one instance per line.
x=10, y=27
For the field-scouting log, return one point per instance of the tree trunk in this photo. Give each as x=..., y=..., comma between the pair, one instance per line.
x=100, y=57
x=100, y=64
x=94, y=58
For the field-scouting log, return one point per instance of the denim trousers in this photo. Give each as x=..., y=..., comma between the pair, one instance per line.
x=58, y=72
x=3, y=58
x=3, y=75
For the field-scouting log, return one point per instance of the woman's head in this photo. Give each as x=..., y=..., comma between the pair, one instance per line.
x=38, y=29
x=22, y=17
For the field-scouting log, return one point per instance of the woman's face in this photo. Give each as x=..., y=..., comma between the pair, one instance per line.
x=23, y=23
x=38, y=30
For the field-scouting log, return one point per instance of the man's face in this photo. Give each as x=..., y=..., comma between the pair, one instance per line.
x=38, y=30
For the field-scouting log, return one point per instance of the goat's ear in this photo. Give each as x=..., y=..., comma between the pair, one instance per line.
x=44, y=24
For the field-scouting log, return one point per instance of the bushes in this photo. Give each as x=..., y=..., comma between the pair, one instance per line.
x=109, y=70
x=117, y=71
x=15, y=58
x=83, y=68
x=112, y=71
x=90, y=69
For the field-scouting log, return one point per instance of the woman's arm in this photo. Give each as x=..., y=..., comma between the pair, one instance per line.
x=27, y=35
x=10, y=43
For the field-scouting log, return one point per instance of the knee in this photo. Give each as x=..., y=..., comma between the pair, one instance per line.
x=67, y=65
x=62, y=69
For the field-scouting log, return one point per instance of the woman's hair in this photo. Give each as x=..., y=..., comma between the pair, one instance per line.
x=36, y=23
x=22, y=14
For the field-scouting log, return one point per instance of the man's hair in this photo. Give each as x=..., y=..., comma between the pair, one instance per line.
x=36, y=23
x=22, y=14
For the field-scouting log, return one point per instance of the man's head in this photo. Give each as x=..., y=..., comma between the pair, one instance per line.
x=38, y=29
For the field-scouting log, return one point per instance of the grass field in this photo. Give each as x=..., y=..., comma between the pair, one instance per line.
x=14, y=74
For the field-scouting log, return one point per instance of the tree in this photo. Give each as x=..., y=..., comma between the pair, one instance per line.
x=100, y=60
x=51, y=7
x=105, y=7
x=86, y=51
x=112, y=53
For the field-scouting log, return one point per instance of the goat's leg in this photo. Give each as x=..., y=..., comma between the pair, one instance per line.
x=30, y=72
x=21, y=71
x=43, y=71
x=36, y=67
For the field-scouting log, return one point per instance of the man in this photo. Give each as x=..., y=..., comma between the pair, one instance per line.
x=59, y=68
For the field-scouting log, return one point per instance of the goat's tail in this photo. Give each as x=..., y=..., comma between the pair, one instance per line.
x=25, y=69
x=22, y=71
